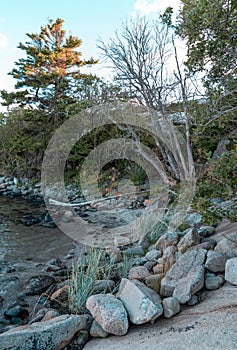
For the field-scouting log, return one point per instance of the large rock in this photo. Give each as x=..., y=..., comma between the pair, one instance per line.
x=109, y=312
x=215, y=261
x=50, y=335
x=231, y=271
x=228, y=246
x=142, y=303
x=185, y=277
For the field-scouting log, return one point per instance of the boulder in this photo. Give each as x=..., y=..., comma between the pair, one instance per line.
x=166, y=240
x=138, y=272
x=228, y=245
x=171, y=307
x=185, y=277
x=142, y=303
x=215, y=261
x=190, y=239
x=53, y=334
x=154, y=281
x=231, y=271
x=153, y=254
x=109, y=312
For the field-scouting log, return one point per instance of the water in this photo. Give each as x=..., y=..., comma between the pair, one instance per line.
x=20, y=243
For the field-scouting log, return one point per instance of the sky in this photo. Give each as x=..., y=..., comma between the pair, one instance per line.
x=87, y=19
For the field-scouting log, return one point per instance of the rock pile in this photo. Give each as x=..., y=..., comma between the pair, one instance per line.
x=173, y=273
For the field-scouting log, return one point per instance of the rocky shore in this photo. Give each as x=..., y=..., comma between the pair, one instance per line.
x=166, y=278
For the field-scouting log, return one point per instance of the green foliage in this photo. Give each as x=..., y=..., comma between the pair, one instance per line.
x=219, y=181
x=82, y=281
x=50, y=72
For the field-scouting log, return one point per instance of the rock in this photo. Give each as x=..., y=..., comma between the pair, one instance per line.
x=138, y=272
x=97, y=331
x=205, y=231
x=171, y=307
x=189, y=239
x=213, y=282
x=121, y=241
x=193, y=300
x=153, y=254
x=109, y=312
x=158, y=268
x=185, y=277
x=16, y=311
x=49, y=315
x=166, y=240
x=169, y=257
x=81, y=339
x=38, y=284
x=228, y=246
x=150, y=264
x=134, y=251
x=142, y=303
x=51, y=335
x=193, y=219
x=204, y=245
x=115, y=254
x=154, y=281
x=215, y=261
x=103, y=286
x=231, y=271
x=60, y=295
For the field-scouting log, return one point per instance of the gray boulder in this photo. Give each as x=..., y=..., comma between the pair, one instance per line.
x=53, y=334
x=166, y=240
x=215, y=261
x=231, y=271
x=188, y=240
x=142, y=303
x=185, y=277
x=109, y=312
x=228, y=246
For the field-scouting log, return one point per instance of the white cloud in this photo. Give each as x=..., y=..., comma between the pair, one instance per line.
x=3, y=40
x=147, y=7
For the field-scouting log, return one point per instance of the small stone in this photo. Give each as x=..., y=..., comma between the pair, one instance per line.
x=49, y=315
x=154, y=281
x=109, y=312
x=215, y=261
x=193, y=300
x=60, y=295
x=193, y=219
x=17, y=311
x=213, y=282
x=158, y=268
x=121, y=241
x=97, y=331
x=171, y=307
x=150, y=264
x=82, y=338
x=205, y=231
x=103, y=286
x=153, y=254
x=138, y=272
x=134, y=251
x=231, y=271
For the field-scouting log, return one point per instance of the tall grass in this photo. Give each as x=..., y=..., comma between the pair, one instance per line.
x=82, y=281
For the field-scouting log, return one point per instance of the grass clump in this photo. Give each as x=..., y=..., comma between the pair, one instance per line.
x=82, y=280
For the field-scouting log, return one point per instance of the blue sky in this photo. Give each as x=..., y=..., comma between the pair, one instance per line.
x=87, y=19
